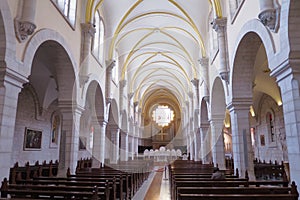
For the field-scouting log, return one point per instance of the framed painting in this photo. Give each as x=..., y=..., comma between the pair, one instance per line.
x=32, y=139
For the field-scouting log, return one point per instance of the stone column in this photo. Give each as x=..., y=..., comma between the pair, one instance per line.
x=218, y=152
x=110, y=65
x=122, y=84
x=124, y=146
x=70, y=133
x=10, y=86
x=197, y=144
x=88, y=32
x=269, y=15
x=241, y=138
x=24, y=24
x=96, y=151
x=133, y=141
x=196, y=89
x=205, y=143
x=219, y=25
x=99, y=142
x=288, y=78
x=192, y=148
x=204, y=74
x=115, y=144
x=136, y=142
x=102, y=125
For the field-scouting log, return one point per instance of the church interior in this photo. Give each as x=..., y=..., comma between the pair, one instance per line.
x=145, y=99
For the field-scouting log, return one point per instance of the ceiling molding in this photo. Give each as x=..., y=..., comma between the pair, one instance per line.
x=133, y=50
x=148, y=76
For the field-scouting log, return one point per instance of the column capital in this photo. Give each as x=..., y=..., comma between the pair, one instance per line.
x=270, y=18
x=122, y=83
x=240, y=104
x=135, y=104
x=70, y=106
x=24, y=29
x=108, y=100
x=195, y=82
x=219, y=24
x=110, y=64
x=130, y=95
x=204, y=62
x=88, y=28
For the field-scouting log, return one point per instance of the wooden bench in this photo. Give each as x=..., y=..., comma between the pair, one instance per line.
x=237, y=190
x=115, y=181
x=29, y=171
x=238, y=196
x=52, y=191
x=136, y=172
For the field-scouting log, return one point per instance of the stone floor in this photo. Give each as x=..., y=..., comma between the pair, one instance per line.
x=156, y=187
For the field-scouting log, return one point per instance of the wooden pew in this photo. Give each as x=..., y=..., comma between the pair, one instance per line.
x=29, y=171
x=51, y=191
x=115, y=182
x=235, y=192
x=125, y=183
x=238, y=197
x=135, y=172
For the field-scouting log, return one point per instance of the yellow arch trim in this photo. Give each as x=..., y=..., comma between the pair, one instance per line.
x=157, y=13
x=216, y=5
x=133, y=50
x=131, y=53
x=132, y=31
x=149, y=87
x=193, y=25
x=218, y=8
x=117, y=31
x=152, y=29
x=155, y=62
x=193, y=66
x=98, y=5
x=128, y=63
x=181, y=29
x=172, y=74
x=88, y=11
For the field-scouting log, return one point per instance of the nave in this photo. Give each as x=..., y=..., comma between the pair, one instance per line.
x=156, y=187
x=115, y=81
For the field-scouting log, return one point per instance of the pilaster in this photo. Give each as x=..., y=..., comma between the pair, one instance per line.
x=205, y=81
x=217, y=144
x=219, y=25
x=10, y=87
x=241, y=138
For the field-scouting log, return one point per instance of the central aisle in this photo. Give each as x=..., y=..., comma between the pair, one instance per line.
x=156, y=187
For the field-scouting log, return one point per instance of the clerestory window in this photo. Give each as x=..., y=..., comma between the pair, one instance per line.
x=98, y=42
x=68, y=9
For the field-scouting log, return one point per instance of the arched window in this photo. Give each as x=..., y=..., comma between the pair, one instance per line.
x=270, y=124
x=67, y=8
x=98, y=42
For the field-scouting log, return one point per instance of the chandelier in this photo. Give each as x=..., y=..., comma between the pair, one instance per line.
x=163, y=115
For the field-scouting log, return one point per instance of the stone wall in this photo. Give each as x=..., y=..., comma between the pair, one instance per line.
x=27, y=117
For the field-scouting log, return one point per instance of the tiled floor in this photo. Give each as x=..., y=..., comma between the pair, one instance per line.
x=155, y=188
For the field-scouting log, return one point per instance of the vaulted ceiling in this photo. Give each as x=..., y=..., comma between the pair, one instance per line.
x=159, y=42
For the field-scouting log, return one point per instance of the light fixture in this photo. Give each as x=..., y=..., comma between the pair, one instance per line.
x=163, y=115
